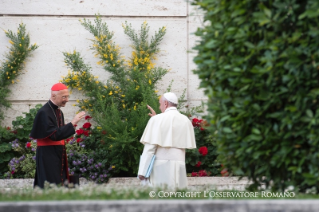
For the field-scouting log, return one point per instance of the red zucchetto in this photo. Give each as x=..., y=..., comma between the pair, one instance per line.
x=58, y=86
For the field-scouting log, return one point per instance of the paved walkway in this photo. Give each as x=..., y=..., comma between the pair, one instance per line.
x=164, y=205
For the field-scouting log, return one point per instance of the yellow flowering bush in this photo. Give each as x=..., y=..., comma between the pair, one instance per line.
x=11, y=67
x=118, y=105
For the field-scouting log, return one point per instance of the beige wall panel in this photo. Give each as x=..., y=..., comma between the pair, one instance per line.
x=193, y=81
x=91, y=7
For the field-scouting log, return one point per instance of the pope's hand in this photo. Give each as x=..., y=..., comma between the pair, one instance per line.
x=153, y=113
x=141, y=177
x=78, y=117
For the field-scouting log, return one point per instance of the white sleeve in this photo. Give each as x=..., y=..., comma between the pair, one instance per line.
x=145, y=159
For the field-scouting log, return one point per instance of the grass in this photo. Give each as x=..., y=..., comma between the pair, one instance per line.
x=102, y=192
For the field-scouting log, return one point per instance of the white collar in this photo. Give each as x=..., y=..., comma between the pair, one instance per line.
x=170, y=108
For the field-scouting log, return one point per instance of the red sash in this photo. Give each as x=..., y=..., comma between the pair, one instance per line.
x=49, y=142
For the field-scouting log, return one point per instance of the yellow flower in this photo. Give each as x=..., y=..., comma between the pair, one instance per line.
x=8, y=77
x=110, y=93
x=74, y=105
x=137, y=87
x=91, y=109
x=103, y=96
x=75, y=77
x=12, y=81
x=22, y=38
x=77, y=101
x=79, y=89
x=134, y=107
x=111, y=56
x=85, y=100
x=116, y=91
x=10, y=41
x=123, y=95
x=97, y=82
x=99, y=128
x=105, y=86
x=113, y=167
x=67, y=80
x=20, y=45
x=124, y=106
x=90, y=105
x=7, y=73
x=73, y=61
x=111, y=147
x=150, y=81
x=83, y=107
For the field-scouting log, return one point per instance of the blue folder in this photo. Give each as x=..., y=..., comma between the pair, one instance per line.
x=150, y=167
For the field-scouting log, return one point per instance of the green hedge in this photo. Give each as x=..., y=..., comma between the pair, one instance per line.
x=259, y=64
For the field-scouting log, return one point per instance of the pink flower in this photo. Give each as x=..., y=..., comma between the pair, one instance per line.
x=196, y=122
x=86, y=133
x=203, y=150
x=202, y=173
x=87, y=117
x=12, y=172
x=198, y=164
x=87, y=125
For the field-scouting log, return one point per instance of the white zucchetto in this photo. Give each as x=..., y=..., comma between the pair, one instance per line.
x=171, y=97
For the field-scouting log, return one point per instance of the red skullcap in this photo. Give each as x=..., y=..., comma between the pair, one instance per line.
x=58, y=86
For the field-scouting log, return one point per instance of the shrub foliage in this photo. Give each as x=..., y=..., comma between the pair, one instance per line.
x=20, y=49
x=259, y=62
x=119, y=104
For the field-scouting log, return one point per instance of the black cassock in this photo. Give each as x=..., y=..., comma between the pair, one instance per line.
x=51, y=162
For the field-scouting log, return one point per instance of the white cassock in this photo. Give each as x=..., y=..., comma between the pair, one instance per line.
x=167, y=135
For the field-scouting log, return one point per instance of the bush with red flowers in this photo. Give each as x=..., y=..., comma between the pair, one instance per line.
x=201, y=162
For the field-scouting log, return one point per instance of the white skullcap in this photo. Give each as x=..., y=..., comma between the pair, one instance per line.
x=171, y=97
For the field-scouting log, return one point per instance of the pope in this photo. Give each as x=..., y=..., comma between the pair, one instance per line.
x=167, y=135
x=50, y=131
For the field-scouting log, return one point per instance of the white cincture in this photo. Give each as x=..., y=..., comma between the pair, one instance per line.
x=170, y=153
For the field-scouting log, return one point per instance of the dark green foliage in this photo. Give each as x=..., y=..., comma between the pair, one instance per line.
x=259, y=64
x=23, y=125
x=196, y=161
x=6, y=152
x=21, y=134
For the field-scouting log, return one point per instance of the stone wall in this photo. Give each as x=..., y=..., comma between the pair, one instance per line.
x=55, y=27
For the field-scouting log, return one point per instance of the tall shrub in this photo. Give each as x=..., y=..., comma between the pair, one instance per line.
x=118, y=105
x=258, y=62
x=14, y=62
